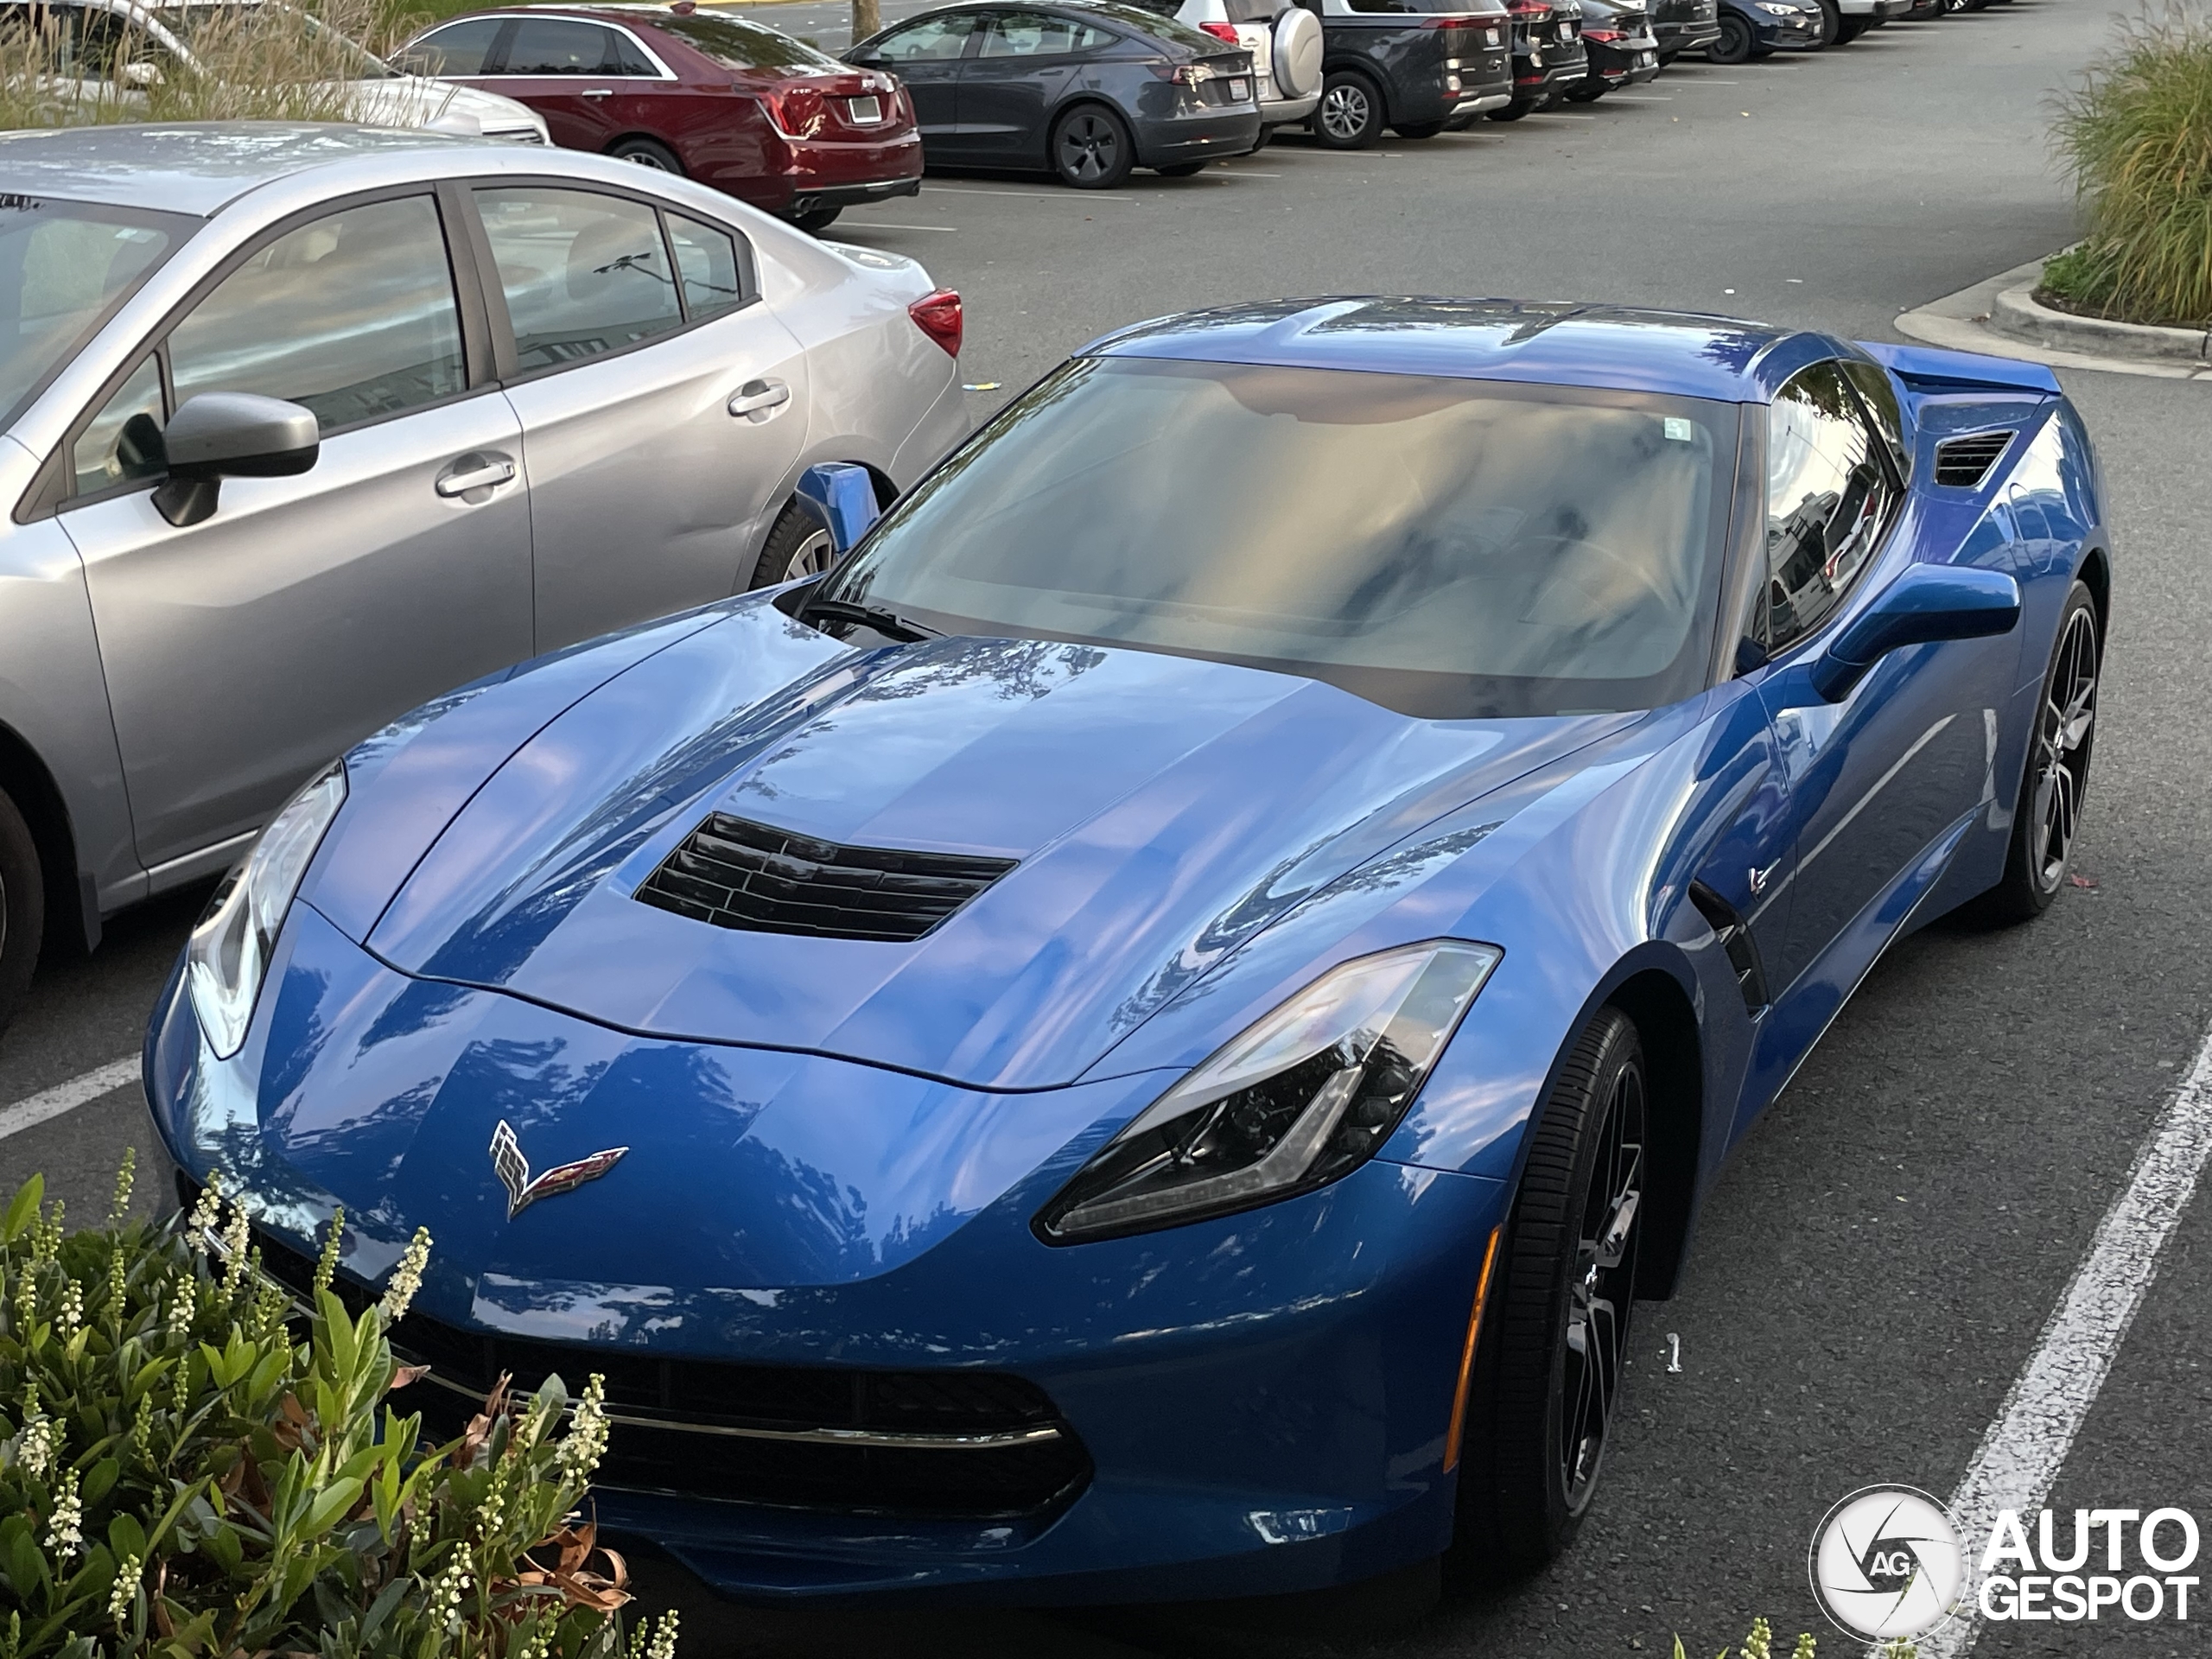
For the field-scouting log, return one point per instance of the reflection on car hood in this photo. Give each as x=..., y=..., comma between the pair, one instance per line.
x=1161, y=809
x=417, y=101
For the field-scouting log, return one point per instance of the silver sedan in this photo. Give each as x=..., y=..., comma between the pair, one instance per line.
x=307, y=425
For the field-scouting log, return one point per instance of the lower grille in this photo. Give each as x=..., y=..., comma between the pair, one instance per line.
x=969, y=1445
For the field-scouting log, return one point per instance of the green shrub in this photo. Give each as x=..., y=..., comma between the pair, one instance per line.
x=189, y=1469
x=2137, y=137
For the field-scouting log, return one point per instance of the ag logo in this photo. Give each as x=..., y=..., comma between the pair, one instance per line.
x=1888, y=1562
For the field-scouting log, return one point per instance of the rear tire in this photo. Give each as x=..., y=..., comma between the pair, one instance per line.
x=1181, y=170
x=1588, y=91
x=2055, y=782
x=1735, y=44
x=1548, y=1370
x=1350, y=115
x=1515, y=110
x=23, y=908
x=1850, y=29
x=1418, y=130
x=817, y=221
x=647, y=152
x=1092, y=148
x=797, y=547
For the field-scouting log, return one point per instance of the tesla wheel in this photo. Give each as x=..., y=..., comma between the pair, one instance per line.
x=1351, y=113
x=1181, y=170
x=1735, y=43
x=817, y=221
x=23, y=908
x=797, y=547
x=647, y=152
x=1092, y=149
x=2056, y=781
x=1418, y=129
x=1549, y=1375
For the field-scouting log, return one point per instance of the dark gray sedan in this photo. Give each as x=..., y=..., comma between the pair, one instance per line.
x=1087, y=92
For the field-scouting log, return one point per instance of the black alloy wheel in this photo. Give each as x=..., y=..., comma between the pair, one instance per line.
x=797, y=547
x=23, y=908
x=1351, y=113
x=647, y=152
x=1736, y=43
x=1092, y=149
x=2055, y=782
x=1547, y=1372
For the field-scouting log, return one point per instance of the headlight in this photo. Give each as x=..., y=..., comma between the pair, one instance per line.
x=1303, y=1096
x=228, y=949
x=1774, y=10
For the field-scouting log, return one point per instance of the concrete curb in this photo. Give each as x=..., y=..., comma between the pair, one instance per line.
x=1966, y=321
x=2018, y=313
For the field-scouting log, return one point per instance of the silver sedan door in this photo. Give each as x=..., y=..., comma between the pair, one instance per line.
x=663, y=404
x=243, y=651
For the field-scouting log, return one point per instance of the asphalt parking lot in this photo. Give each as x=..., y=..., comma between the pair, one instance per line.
x=1876, y=1266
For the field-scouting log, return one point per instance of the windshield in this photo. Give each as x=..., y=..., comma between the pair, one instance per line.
x=1451, y=549
x=65, y=266
x=736, y=44
x=336, y=58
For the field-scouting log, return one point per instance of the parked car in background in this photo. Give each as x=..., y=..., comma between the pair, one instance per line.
x=309, y=423
x=1283, y=38
x=1414, y=67
x=1549, y=56
x=117, y=47
x=1849, y=19
x=1681, y=25
x=1088, y=92
x=1759, y=29
x=729, y=102
x=1623, y=51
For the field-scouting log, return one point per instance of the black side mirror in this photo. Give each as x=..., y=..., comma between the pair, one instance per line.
x=220, y=435
x=865, y=57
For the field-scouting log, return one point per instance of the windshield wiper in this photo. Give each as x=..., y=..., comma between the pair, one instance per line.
x=889, y=624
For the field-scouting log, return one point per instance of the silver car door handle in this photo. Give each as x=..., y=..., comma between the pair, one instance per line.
x=758, y=397
x=484, y=475
x=598, y=92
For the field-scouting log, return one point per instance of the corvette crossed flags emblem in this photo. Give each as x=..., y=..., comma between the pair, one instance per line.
x=514, y=1170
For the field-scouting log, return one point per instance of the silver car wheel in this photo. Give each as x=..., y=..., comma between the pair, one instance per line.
x=810, y=558
x=1344, y=113
x=645, y=158
x=2061, y=758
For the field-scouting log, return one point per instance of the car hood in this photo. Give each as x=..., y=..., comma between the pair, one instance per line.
x=417, y=101
x=1161, y=811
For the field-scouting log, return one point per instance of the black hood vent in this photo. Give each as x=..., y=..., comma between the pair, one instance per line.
x=1962, y=463
x=734, y=873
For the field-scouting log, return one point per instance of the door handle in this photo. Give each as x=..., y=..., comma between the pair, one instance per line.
x=597, y=91
x=475, y=473
x=758, y=397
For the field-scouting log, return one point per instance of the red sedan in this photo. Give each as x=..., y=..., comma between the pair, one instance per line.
x=732, y=104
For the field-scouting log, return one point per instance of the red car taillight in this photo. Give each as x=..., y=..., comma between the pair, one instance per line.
x=1223, y=32
x=796, y=111
x=937, y=315
x=1603, y=36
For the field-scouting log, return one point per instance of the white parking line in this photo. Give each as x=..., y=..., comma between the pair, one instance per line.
x=2021, y=1454
x=885, y=225
x=1636, y=97
x=1072, y=198
x=68, y=1096
x=1562, y=115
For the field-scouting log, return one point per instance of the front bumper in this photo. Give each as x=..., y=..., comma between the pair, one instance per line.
x=1261, y=1399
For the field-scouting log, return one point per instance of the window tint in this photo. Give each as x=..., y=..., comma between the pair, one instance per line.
x=736, y=44
x=1827, y=499
x=583, y=273
x=629, y=57
x=352, y=315
x=558, y=46
x=1880, y=398
x=64, y=267
x=938, y=37
x=125, y=439
x=458, y=49
x=706, y=263
x=1037, y=34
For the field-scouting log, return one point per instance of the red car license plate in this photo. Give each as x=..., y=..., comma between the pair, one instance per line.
x=865, y=111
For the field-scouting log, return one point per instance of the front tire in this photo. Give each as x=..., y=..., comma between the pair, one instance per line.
x=2055, y=782
x=1351, y=113
x=797, y=546
x=1735, y=43
x=23, y=908
x=1092, y=148
x=1831, y=26
x=1549, y=1372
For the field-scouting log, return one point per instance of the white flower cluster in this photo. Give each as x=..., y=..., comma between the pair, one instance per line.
x=70, y=1313
x=445, y=1591
x=237, y=1238
x=200, y=1225
x=63, y=1527
x=177, y=1322
x=37, y=1446
x=586, y=1443
x=664, y=1642
x=125, y=1589
x=407, y=1277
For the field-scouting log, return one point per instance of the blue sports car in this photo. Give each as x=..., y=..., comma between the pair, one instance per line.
x=1140, y=1036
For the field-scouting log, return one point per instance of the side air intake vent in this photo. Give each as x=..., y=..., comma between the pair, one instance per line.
x=737, y=873
x=1964, y=462
x=1735, y=935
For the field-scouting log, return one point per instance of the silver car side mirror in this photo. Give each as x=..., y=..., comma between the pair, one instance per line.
x=220, y=435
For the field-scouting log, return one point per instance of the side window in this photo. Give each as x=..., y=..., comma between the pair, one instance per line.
x=557, y=45
x=584, y=274
x=352, y=315
x=458, y=49
x=1880, y=398
x=934, y=38
x=123, y=440
x=629, y=57
x=1828, y=499
x=1038, y=35
x=707, y=265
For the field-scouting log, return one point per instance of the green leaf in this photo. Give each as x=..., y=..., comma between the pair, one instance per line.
x=225, y=1547
x=125, y=1536
x=21, y=1208
x=101, y=1481
x=331, y=1507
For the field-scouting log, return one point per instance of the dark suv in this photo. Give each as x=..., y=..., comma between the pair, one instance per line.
x=1416, y=66
x=1549, y=56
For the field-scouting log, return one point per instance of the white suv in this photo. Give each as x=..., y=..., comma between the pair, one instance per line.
x=1284, y=39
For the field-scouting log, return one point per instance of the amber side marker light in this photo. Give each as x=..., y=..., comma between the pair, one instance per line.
x=1467, y=1358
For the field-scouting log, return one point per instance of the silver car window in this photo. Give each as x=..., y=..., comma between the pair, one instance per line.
x=583, y=274
x=352, y=315
x=64, y=267
x=123, y=442
x=706, y=262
